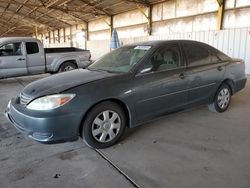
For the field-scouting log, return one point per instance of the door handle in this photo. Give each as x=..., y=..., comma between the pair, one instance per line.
x=219, y=68
x=21, y=59
x=182, y=75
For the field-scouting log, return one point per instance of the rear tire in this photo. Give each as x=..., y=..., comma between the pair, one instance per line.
x=104, y=125
x=221, y=100
x=67, y=66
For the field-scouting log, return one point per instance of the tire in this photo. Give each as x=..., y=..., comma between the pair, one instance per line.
x=104, y=125
x=221, y=100
x=67, y=66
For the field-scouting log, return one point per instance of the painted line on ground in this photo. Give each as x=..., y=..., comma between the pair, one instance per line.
x=117, y=168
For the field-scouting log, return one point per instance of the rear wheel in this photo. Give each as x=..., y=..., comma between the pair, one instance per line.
x=222, y=99
x=68, y=66
x=104, y=125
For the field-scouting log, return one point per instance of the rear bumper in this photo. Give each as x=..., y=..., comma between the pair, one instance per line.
x=240, y=84
x=45, y=129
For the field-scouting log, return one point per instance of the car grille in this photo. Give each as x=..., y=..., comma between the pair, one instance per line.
x=24, y=100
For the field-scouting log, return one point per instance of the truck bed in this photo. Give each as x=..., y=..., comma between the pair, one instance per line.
x=63, y=50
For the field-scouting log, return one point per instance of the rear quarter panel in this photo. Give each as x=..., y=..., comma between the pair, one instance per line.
x=235, y=71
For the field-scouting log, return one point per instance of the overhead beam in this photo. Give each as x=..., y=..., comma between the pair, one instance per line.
x=20, y=6
x=26, y=15
x=30, y=6
x=23, y=17
x=51, y=7
x=94, y=7
x=144, y=3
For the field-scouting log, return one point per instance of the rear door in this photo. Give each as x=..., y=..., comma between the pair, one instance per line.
x=204, y=72
x=35, y=58
x=12, y=60
x=160, y=85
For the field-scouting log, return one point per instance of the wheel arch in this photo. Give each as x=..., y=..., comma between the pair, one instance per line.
x=114, y=100
x=67, y=61
x=231, y=85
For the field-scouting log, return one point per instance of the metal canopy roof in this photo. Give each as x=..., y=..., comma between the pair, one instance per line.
x=22, y=17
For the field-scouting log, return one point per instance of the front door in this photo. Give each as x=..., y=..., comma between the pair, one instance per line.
x=161, y=85
x=35, y=58
x=12, y=60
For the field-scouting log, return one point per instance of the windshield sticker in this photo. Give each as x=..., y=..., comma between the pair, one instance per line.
x=142, y=47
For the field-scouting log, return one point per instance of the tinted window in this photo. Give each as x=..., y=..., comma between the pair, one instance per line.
x=11, y=49
x=32, y=47
x=163, y=59
x=196, y=54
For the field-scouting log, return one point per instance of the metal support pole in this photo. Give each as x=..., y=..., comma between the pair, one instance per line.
x=148, y=17
x=150, y=25
x=64, y=35
x=71, y=38
x=111, y=25
x=58, y=36
x=36, y=31
x=220, y=14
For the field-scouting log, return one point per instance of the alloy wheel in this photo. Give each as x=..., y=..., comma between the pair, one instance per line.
x=106, y=126
x=223, y=98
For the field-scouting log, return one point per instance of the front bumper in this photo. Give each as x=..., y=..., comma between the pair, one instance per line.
x=46, y=127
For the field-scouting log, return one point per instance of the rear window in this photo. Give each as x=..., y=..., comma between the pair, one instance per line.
x=196, y=54
x=32, y=47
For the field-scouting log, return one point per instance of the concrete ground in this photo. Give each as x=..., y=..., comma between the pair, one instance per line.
x=192, y=148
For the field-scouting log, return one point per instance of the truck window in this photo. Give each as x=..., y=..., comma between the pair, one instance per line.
x=32, y=48
x=11, y=49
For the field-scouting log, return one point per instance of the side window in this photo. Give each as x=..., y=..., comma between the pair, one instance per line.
x=32, y=48
x=214, y=58
x=197, y=55
x=165, y=58
x=11, y=49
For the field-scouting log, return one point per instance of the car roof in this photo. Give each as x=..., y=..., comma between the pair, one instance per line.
x=160, y=42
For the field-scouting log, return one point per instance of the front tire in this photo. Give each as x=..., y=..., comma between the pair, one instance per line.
x=221, y=100
x=104, y=125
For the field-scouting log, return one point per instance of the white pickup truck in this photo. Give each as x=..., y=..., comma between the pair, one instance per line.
x=20, y=56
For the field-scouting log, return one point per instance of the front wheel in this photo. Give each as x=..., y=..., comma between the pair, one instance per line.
x=104, y=125
x=222, y=99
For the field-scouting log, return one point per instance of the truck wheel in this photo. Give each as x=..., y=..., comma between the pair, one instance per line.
x=222, y=99
x=104, y=125
x=68, y=66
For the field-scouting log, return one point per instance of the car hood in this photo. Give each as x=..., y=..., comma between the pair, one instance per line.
x=63, y=81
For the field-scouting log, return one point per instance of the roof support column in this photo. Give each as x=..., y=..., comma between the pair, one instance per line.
x=150, y=22
x=87, y=35
x=70, y=36
x=64, y=35
x=148, y=16
x=36, y=31
x=111, y=25
x=220, y=14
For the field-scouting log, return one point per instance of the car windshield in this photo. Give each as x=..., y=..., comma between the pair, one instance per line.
x=121, y=59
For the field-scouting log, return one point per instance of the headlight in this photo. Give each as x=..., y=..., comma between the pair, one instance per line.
x=50, y=102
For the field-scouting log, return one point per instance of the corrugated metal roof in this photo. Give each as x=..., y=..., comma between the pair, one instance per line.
x=21, y=17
